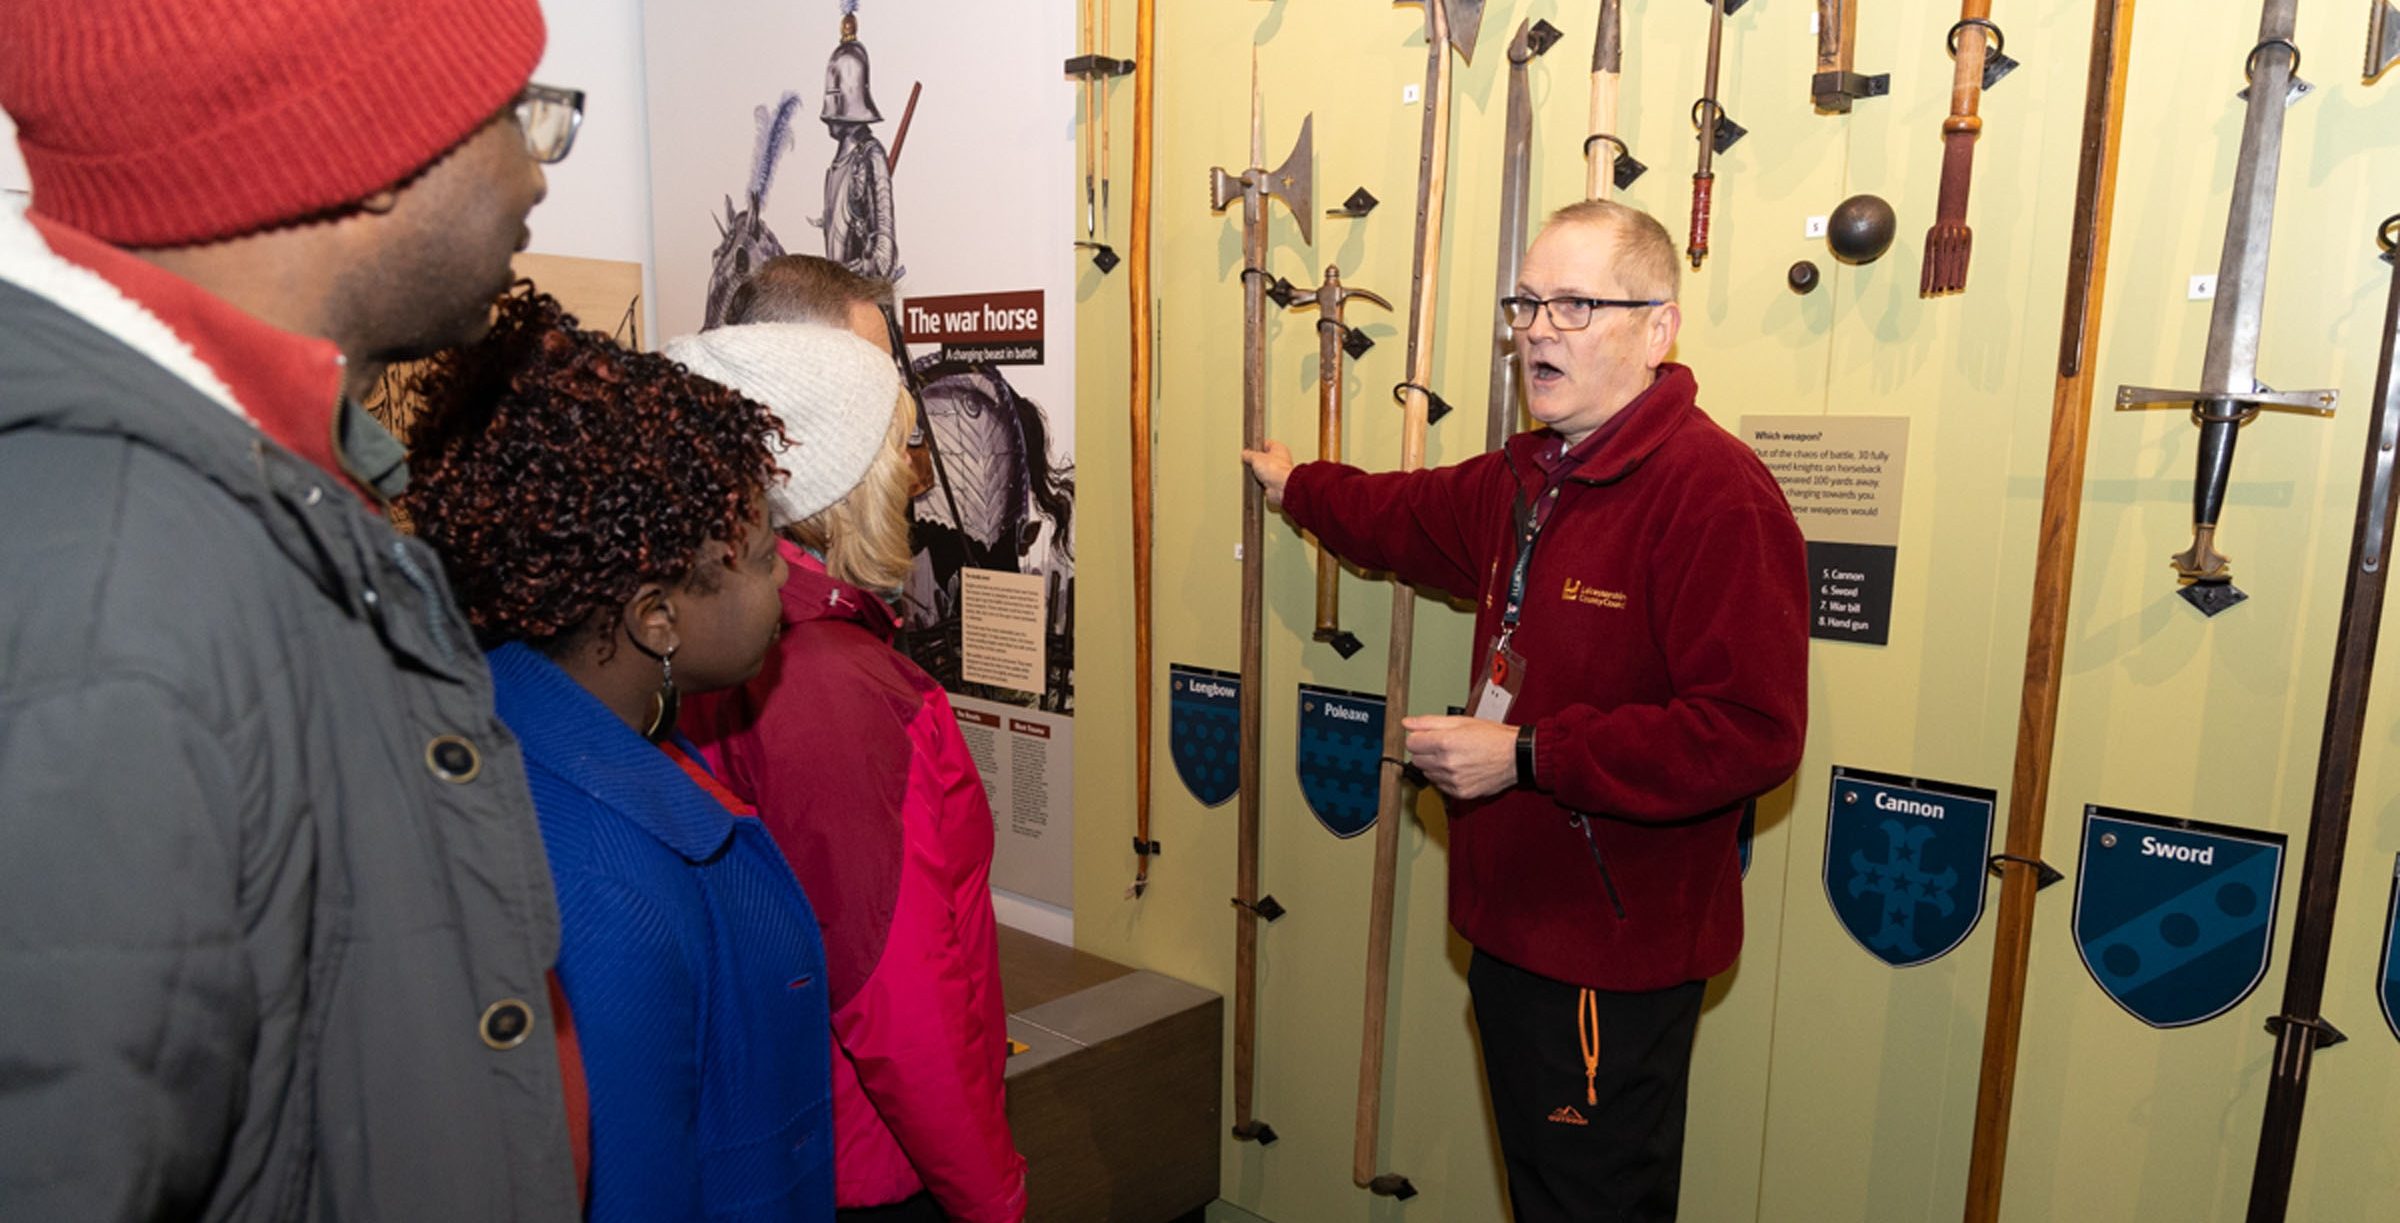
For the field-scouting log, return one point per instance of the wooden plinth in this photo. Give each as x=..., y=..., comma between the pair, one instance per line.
x=1115, y=1101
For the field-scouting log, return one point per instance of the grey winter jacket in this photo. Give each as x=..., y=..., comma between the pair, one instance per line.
x=274, y=916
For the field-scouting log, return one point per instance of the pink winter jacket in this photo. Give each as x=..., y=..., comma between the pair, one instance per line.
x=854, y=760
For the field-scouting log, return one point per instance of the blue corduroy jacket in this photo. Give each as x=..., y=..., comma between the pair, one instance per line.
x=691, y=963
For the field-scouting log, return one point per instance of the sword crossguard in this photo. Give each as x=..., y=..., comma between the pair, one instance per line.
x=2315, y=403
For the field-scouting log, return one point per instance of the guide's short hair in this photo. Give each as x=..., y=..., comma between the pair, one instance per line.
x=1646, y=261
x=803, y=289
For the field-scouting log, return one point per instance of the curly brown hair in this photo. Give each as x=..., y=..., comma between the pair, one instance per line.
x=556, y=471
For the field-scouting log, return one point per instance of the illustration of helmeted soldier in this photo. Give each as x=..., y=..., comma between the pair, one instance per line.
x=859, y=230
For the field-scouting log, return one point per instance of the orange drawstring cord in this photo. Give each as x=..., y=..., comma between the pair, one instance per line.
x=1587, y=1030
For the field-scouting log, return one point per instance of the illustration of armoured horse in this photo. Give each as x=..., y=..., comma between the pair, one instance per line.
x=744, y=241
x=1000, y=503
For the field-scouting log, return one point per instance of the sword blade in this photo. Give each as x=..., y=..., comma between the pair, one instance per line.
x=2231, y=366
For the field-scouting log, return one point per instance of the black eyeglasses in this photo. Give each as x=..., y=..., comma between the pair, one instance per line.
x=1566, y=313
x=549, y=117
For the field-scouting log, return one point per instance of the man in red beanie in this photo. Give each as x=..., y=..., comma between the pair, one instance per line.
x=274, y=916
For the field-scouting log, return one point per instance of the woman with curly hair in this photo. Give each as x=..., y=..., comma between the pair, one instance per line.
x=602, y=515
x=893, y=839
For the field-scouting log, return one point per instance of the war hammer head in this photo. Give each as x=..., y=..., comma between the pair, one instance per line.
x=1331, y=296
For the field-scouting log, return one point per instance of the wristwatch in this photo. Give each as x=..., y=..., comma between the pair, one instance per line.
x=1525, y=755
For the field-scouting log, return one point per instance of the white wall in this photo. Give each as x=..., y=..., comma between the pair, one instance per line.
x=599, y=205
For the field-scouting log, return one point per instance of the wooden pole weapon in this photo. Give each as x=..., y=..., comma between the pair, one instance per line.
x=1107, y=40
x=1949, y=243
x=2021, y=870
x=2300, y=1028
x=1292, y=183
x=1516, y=210
x=1448, y=24
x=1606, y=161
x=1837, y=82
x=1137, y=277
x=1717, y=132
x=1091, y=126
x=1334, y=337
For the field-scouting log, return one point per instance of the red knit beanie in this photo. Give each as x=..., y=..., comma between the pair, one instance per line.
x=170, y=122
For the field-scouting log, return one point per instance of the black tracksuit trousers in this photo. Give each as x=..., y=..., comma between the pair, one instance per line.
x=1588, y=1089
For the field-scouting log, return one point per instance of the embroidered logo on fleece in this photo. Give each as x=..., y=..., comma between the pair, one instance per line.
x=1592, y=596
x=1565, y=1114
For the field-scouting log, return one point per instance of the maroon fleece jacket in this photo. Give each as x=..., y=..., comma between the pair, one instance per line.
x=1665, y=638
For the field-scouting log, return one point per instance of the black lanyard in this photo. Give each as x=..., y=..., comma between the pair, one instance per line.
x=1535, y=519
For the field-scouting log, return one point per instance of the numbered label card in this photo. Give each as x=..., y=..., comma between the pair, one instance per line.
x=1904, y=861
x=2175, y=918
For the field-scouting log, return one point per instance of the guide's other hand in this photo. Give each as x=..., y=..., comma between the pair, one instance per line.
x=1463, y=757
x=1270, y=466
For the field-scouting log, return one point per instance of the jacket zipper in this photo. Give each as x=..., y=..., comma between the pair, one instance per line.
x=430, y=595
x=1614, y=901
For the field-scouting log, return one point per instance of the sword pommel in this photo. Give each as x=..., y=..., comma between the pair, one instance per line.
x=2202, y=562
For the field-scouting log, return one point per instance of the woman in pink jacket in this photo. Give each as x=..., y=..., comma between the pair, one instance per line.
x=854, y=760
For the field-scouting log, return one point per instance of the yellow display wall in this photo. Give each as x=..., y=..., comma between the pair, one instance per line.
x=1826, y=1086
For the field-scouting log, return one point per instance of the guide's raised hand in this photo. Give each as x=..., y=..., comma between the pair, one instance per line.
x=1270, y=466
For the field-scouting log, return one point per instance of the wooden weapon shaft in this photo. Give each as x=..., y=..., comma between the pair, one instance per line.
x=2053, y=583
x=1433, y=175
x=1704, y=179
x=1837, y=45
x=1254, y=520
x=1091, y=123
x=1949, y=244
x=1107, y=40
x=2298, y=1027
x=1608, y=62
x=1329, y=449
x=1137, y=281
x=908, y=115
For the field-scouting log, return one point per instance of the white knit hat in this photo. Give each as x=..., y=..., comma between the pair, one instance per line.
x=834, y=392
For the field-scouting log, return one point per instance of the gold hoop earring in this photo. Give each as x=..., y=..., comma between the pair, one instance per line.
x=664, y=702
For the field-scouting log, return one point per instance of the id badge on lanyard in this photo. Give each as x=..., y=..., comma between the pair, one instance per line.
x=1503, y=678
x=1504, y=671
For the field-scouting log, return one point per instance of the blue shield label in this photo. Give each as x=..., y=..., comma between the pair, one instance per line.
x=2175, y=918
x=2390, y=983
x=1341, y=751
x=1204, y=731
x=1904, y=861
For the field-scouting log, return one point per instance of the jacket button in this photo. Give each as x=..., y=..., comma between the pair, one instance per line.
x=507, y=1023
x=453, y=759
